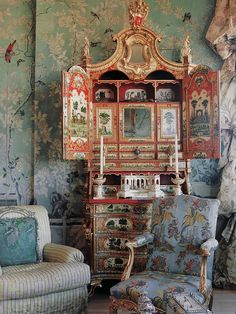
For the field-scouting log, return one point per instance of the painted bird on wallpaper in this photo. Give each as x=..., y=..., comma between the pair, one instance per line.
x=9, y=52
x=187, y=17
x=19, y=61
x=95, y=15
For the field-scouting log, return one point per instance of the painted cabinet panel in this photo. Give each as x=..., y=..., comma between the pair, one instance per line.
x=76, y=114
x=201, y=114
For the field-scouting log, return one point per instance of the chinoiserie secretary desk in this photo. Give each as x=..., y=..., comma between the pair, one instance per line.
x=138, y=119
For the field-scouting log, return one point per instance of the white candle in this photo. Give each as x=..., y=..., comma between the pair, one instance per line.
x=101, y=155
x=176, y=155
x=104, y=155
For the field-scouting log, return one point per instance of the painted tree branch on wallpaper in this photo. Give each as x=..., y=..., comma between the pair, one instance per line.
x=16, y=183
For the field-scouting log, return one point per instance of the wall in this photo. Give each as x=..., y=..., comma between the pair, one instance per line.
x=49, y=35
x=16, y=101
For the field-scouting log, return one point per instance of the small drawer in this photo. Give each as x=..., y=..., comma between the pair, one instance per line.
x=163, y=155
x=132, y=148
x=142, y=155
x=109, y=147
x=109, y=166
x=164, y=147
x=108, y=155
x=138, y=165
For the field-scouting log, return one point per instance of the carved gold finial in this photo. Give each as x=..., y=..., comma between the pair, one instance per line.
x=86, y=47
x=186, y=51
x=85, y=53
x=138, y=11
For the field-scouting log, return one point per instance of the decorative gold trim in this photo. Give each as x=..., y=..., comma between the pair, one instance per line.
x=120, y=60
x=137, y=70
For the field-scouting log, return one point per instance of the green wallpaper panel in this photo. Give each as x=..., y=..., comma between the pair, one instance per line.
x=16, y=101
x=31, y=162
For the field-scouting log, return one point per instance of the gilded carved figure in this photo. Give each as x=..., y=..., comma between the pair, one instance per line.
x=186, y=50
x=138, y=11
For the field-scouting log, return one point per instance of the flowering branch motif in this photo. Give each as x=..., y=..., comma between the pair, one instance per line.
x=12, y=173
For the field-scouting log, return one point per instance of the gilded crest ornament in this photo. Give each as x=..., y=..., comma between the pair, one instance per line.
x=138, y=11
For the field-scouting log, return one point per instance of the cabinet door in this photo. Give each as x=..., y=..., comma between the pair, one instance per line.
x=76, y=113
x=201, y=123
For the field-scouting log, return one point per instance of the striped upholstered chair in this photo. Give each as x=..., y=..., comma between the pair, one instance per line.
x=37, y=276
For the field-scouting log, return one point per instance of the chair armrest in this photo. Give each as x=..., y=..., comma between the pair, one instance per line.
x=208, y=246
x=136, y=242
x=141, y=240
x=58, y=253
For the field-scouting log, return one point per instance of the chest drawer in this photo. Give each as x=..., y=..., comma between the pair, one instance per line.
x=139, y=209
x=114, y=263
x=115, y=243
x=121, y=223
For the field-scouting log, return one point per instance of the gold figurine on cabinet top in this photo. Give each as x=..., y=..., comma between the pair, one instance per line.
x=138, y=11
x=186, y=50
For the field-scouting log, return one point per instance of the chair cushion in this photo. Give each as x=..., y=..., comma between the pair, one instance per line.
x=18, y=243
x=32, y=280
x=159, y=286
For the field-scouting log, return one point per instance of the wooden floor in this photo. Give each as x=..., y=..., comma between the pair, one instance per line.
x=224, y=301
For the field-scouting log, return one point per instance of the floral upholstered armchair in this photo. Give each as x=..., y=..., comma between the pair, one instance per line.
x=37, y=276
x=180, y=254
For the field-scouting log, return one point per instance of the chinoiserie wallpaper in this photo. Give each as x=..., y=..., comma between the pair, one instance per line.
x=39, y=38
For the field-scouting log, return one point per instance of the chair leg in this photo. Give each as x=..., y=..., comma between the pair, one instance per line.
x=113, y=306
x=210, y=302
x=85, y=311
x=112, y=310
x=127, y=305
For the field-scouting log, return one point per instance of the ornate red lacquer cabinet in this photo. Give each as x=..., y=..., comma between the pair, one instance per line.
x=138, y=119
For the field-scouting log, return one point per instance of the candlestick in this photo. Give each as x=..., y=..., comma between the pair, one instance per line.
x=178, y=181
x=176, y=155
x=98, y=190
x=101, y=155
